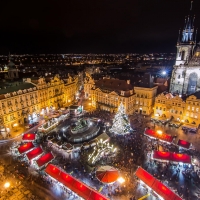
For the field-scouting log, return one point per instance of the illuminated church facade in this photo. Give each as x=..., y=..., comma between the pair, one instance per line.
x=185, y=78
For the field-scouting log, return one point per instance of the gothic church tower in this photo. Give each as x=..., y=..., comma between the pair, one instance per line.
x=184, y=78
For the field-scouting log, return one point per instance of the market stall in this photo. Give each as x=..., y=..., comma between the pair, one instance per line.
x=171, y=157
x=45, y=159
x=158, y=188
x=158, y=135
x=25, y=147
x=29, y=137
x=107, y=174
x=73, y=184
x=184, y=144
x=34, y=153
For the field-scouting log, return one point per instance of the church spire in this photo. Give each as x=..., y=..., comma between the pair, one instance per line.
x=188, y=31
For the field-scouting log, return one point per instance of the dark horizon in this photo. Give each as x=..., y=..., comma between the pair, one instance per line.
x=136, y=26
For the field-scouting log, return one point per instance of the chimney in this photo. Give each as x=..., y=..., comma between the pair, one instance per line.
x=128, y=81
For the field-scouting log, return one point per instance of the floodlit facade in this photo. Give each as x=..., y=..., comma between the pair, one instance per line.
x=24, y=101
x=144, y=99
x=185, y=76
x=181, y=110
x=108, y=93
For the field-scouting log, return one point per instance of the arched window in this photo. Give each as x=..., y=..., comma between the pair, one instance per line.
x=183, y=55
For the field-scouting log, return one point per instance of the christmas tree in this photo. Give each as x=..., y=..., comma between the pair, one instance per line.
x=121, y=123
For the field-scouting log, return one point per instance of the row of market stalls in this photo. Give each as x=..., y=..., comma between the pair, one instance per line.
x=158, y=188
x=73, y=184
x=166, y=138
x=41, y=159
x=35, y=154
x=171, y=157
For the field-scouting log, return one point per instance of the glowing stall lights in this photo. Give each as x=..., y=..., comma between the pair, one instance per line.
x=29, y=137
x=184, y=144
x=174, y=157
x=121, y=180
x=158, y=135
x=159, y=132
x=34, y=153
x=156, y=115
x=46, y=158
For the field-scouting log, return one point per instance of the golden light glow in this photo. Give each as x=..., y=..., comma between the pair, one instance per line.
x=14, y=125
x=156, y=115
x=89, y=104
x=159, y=131
x=7, y=185
x=69, y=100
x=121, y=180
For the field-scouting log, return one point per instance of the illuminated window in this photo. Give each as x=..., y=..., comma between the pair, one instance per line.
x=197, y=109
x=193, y=108
x=188, y=107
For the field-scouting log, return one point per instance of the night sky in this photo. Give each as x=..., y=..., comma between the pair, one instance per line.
x=92, y=26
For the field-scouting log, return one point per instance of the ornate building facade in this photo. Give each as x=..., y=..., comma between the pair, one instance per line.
x=24, y=101
x=185, y=78
x=181, y=110
x=108, y=93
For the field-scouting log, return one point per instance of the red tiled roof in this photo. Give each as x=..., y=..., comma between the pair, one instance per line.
x=113, y=84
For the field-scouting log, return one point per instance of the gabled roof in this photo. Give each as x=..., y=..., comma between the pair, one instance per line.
x=113, y=85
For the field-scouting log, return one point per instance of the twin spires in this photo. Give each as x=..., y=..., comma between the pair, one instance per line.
x=188, y=34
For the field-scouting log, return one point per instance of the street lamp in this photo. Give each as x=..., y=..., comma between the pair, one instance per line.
x=7, y=185
x=164, y=72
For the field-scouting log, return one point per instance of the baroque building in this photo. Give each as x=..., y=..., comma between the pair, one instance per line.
x=184, y=110
x=108, y=93
x=21, y=102
x=185, y=78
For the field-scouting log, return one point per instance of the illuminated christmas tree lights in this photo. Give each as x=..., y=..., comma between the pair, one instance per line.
x=121, y=123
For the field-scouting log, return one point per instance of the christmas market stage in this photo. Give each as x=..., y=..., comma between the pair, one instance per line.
x=158, y=135
x=158, y=188
x=172, y=157
x=73, y=184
